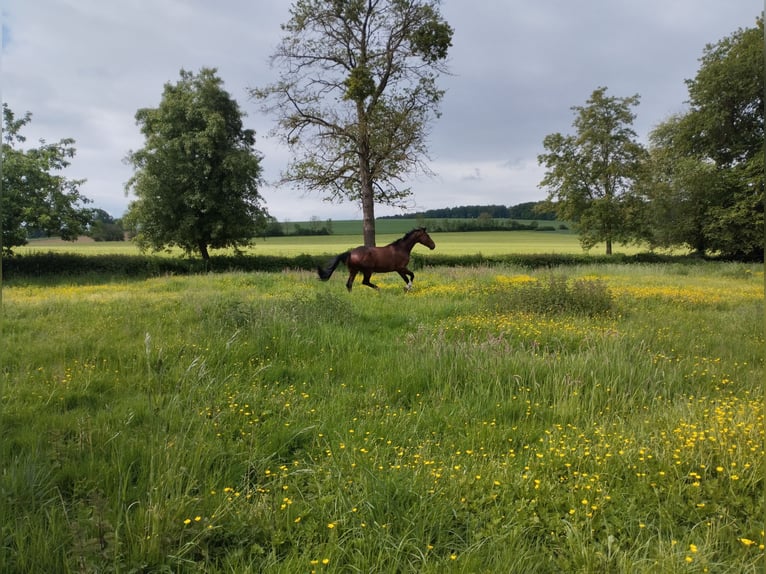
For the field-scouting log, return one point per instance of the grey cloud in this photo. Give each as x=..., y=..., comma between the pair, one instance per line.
x=84, y=67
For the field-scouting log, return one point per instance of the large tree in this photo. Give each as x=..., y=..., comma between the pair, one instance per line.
x=707, y=185
x=591, y=176
x=678, y=187
x=36, y=198
x=356, y=92
x=196, y=178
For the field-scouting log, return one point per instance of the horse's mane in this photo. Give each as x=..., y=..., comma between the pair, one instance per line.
x=407, y=235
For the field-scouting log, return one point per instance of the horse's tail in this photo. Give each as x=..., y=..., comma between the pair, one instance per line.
x=324, y=274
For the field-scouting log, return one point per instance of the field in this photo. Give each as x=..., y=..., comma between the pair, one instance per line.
x=596, y=419
x=484, y=242
x=403, y=225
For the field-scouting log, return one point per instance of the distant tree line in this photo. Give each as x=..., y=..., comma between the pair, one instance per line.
x=314, y=227
x=528, y=211
x=483, y=223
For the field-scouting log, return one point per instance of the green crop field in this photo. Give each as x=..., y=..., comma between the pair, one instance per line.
x=484, y=242
x=401, y=226
x=603, y=419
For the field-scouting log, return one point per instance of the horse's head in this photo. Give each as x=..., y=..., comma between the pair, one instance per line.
x=423, y=237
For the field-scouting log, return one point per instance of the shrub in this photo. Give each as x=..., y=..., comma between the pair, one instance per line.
x=555, y=295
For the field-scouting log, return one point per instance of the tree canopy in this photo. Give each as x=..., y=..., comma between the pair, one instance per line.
x=36, y=198
x=706, y=172
x=356, y=92
x=196, y=178
x=591, y=175
x=105, y=227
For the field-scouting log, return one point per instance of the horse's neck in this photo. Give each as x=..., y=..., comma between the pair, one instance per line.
x=408, y=243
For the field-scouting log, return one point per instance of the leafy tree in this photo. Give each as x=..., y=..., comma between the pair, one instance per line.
x=532, y=210
x=36, y=198
x=591, y=176
x=708, y=184
x=355, y=95
x=197, y=176
x=678, y=186
x=105, y=227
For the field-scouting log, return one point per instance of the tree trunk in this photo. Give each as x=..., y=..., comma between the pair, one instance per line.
x=365, y=181
x=203, y=250
x=608, y=246
x=699, y=246
x=368, y=216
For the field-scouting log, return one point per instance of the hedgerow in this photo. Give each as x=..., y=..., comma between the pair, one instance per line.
x=139, y=266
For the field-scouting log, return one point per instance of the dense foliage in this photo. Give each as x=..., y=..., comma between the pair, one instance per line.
x=105, y=227
x=706, y=175
x=529, y=210
x=36, y=198
x=701, y=184
x=196, y=178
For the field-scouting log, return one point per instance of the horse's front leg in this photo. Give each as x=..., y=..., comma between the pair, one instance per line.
x=408, y=276
x=366, y=280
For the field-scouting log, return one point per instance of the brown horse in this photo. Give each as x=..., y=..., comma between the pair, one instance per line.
x=369, y=260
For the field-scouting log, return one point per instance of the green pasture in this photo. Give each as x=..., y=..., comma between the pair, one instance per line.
x=401, y=226
x=606, y=418
x=483, y=242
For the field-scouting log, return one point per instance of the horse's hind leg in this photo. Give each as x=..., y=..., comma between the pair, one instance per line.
x=366, y=280
x=351, y=277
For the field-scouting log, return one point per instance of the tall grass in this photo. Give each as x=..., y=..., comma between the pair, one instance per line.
x=494, y=419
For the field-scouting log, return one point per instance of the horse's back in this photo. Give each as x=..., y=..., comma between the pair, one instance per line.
x=377, y=259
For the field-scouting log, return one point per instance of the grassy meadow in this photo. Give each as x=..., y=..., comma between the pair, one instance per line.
x=348, y=234
x=485, y=242
x=600, y=418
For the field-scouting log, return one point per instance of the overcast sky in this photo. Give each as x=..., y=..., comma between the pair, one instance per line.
x=83, y=68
